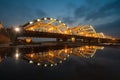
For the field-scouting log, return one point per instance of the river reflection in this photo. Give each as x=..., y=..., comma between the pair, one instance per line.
x=47, y=56
x=60, y=62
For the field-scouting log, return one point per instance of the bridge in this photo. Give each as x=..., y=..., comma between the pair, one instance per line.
x=54, y=28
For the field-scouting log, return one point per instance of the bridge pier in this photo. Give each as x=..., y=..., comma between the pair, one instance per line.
x=13, y=35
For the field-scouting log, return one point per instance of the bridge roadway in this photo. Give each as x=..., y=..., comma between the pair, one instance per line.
x=37, y=34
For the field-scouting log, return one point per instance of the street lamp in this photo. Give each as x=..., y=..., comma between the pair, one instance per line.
x=17, y=29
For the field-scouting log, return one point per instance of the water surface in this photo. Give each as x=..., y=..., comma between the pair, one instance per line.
x=60, y=63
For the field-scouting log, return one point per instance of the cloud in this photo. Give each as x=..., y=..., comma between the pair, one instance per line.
x=41, y=13
x=113, y=27
x=13, y=13
x=109, y=9
x=81, y=11
x=103, y=17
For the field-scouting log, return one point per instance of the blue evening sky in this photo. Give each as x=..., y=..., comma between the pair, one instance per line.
x=103, y=15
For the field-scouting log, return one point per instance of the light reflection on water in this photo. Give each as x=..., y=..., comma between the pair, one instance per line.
x=64, y=63
x=50, y=57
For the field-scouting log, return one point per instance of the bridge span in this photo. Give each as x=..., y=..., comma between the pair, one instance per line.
x=54, y=28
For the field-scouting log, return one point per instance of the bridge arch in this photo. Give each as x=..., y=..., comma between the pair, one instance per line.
x=46, y=25
x=84, y=30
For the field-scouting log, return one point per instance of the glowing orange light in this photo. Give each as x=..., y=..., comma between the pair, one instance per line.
x=65, y=50
x=50, y=54
x=31, y=55
x=28, y=40
x=73, y=39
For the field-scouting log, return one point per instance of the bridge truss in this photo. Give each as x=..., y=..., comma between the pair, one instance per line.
x=52, y=25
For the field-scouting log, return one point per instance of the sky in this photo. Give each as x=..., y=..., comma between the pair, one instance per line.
x=103, y=15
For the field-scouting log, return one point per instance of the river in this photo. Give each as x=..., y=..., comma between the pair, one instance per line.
x=57, y=62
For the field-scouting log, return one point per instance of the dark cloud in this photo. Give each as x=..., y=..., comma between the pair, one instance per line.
x=101, y=12
x=71, y=6
x=113, y=28
x=81, y=12
x=90, y=12
x=13, y=13
x=41, y=13
x=109, y=9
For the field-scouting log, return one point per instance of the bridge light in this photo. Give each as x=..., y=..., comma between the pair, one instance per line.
x=51, y=55
x=51, y=64
x=30, y=61
x=45, y=65
x=32, y=29
x=31, y=22
x=59, y=21
x=38, y=19
x=73, y=39
x=63, y=24
x=50, y=29
x=28, y=40
x=66, y=51
x=68, y=55
x=17, y=29
x=65, y=32
x=38, y=64
x=51, y=18
x=60, y=62
x=45, y=18
x=17, y=55
x=31, y=55
x=64, y=58
x=55, y=64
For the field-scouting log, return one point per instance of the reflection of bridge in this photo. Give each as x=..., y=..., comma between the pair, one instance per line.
x=53, y=28
x=50, y=57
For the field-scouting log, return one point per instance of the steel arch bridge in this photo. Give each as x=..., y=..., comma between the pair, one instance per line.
x=54, y=28
x=52, y=25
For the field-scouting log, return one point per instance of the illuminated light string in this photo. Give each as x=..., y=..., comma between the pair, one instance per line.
x=58, y=28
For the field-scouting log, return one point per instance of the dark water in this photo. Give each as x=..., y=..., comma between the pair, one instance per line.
x=60, y=63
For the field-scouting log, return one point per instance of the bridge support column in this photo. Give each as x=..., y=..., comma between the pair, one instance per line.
x=13, y=36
